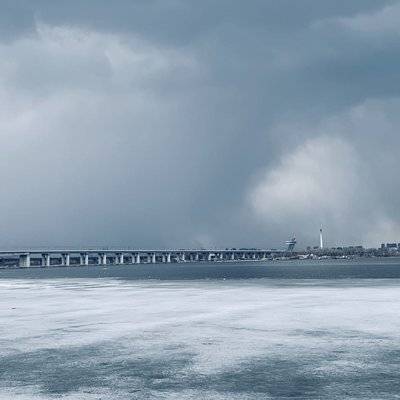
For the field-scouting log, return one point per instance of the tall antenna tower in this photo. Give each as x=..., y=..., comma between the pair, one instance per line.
x=321, y=242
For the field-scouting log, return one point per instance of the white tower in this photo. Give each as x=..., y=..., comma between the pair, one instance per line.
x=321, y=242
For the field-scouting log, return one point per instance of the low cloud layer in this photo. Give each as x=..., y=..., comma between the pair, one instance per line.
x=185, y=124
x=317, y=181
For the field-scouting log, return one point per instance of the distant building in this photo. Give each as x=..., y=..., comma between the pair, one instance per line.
x=391, y=246
x=290, y=244
x=321, y=242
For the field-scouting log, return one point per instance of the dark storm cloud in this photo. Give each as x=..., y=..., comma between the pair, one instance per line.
x=179, y=21
x=167, y=122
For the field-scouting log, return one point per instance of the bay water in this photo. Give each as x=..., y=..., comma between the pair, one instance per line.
x=278, y=330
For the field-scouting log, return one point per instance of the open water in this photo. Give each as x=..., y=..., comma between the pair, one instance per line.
x=296, y=330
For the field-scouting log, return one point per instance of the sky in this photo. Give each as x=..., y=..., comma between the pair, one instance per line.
x=185, y=123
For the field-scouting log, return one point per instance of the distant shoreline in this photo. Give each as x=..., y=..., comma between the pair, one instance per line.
x=292, y=259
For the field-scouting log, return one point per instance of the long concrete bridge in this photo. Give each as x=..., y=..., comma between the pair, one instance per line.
x=47, y=258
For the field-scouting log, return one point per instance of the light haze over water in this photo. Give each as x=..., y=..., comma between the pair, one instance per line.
x=301, y=330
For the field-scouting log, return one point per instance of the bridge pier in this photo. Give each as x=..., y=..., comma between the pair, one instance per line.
x=65, y=259
x=24, y=260
x=138, y=258
x=102, y=258
x=84, y=259
x=168, y=257
x=118, y=258
x=153, y=258
x=45, y=260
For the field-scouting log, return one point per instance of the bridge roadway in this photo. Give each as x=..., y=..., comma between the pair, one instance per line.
x=47, y=258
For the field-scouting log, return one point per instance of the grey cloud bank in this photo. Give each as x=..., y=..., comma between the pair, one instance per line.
x=198, y=123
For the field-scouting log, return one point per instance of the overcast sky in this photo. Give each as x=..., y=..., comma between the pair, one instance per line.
x=179, y=123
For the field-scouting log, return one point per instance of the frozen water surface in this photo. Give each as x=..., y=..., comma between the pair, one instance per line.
x=110, y=338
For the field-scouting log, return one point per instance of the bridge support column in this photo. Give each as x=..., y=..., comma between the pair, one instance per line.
x=24, y=260
x=153, y=258
x=183, y=257
x=232, y=256
x=254, y=256
x=102, y=258
x=84, y=259
x=209, y=257
x=197, y=257
x=138, y=258
x=65, y=258
x=168, y=257
x=45, y=260
x=221, y=256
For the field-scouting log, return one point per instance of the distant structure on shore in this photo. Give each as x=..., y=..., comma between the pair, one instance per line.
x=321, y=242
x=390, y=247
x=290, y=244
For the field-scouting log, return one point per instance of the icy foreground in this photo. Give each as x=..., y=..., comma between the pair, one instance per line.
x=250, y=339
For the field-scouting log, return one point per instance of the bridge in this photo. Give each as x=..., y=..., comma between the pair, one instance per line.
x=47, y=258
